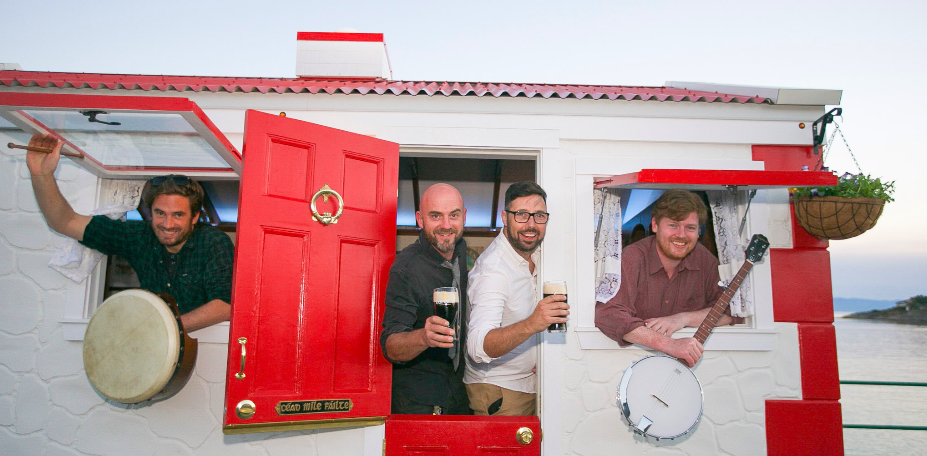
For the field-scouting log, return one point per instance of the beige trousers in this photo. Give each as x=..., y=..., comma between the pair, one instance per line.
x=484, y=395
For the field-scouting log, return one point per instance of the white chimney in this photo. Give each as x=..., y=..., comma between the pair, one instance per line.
x=341, y=55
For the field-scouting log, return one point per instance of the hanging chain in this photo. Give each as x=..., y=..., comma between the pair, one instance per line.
x=845, y=143
x=827, y=145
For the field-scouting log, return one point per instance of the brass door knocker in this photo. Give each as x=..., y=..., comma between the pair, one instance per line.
x=326, y=218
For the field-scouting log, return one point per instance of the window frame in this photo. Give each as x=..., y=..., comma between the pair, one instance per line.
x=757, y=334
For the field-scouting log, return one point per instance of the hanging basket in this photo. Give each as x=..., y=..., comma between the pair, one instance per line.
x=834, y=217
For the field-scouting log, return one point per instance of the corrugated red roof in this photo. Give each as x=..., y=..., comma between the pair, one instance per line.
x=358, y=86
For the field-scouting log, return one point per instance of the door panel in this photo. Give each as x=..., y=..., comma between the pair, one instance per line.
x=450, y=435
x=308, y=297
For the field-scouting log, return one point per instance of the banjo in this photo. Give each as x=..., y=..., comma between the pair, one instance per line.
x=659, y=395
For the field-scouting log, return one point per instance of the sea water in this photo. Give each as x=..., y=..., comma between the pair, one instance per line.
x=881, y=351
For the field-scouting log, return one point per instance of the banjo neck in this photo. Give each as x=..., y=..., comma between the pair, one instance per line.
x=753, y=254
x=714, y=315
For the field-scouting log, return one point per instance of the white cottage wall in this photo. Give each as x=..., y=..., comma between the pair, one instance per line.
x=47, y=405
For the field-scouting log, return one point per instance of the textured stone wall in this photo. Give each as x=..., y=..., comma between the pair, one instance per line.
x=48, y=407
x=735, y=385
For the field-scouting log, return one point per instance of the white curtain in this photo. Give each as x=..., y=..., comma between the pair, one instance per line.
x=607, y=243
x=728, y=208
x=75, y=261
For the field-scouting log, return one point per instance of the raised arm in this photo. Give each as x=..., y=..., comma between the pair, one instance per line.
x=58, y=213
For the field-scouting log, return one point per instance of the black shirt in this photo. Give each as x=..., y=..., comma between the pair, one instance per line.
x=429, y=379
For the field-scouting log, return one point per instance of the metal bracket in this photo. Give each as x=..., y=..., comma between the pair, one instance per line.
x=818, y=132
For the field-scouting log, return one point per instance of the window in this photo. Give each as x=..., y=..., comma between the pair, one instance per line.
x=118, y=137
x=638, y=174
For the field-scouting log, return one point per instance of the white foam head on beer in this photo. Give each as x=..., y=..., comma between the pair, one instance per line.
x=445, y=296
x=551, y=288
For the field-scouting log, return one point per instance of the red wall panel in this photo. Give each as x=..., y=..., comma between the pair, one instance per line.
x=786, y=158
x=801, y=285
x=803, y=427
x=820, y=377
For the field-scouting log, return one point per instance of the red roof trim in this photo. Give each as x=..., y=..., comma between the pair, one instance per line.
x=329, y=36
x=359, y=86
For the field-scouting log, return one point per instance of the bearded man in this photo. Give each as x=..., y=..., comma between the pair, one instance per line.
x=426, y=357
x=505, y=315
x=172, y=254
x=668, y=281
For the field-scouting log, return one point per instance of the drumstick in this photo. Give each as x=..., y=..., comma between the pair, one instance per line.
x=43, y=150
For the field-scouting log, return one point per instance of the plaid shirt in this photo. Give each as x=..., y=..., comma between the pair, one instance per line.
x=202, y=270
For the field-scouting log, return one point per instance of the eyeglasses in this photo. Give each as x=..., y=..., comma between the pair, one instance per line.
x=181, y=181
x=522, y=217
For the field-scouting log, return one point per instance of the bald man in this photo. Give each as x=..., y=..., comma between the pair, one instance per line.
x=427, y=359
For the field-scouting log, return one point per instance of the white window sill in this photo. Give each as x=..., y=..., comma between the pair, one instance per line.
x=721, y=339
x=74, y=329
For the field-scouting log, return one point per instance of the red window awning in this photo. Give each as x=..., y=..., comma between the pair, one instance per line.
x=714, y=179
x=128, y=137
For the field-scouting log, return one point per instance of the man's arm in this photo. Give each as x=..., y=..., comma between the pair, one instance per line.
x=549, y=310
x=402, y=342
x=57, y=211
x=404, y=346
x=686, y=349
x=206, y=315
x=656, y=333
x=672, y=323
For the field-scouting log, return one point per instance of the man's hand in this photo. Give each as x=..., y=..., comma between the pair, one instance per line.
x=56, y=209
x=550, y=310
x=40, y=163
x=668, y=325
x=437, y=333
x=687, y=350
x=404, y=346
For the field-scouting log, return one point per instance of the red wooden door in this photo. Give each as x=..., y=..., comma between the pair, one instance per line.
x=308, y=297
x=449, y=435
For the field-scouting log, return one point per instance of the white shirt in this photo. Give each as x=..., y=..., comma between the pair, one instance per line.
x=502, y=291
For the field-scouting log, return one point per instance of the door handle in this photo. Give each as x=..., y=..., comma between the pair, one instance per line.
x=327, y=218
x=241, y=373
x=524, y=435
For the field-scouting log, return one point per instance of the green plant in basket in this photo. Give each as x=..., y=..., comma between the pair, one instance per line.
x=851, y=185
x=845, y=210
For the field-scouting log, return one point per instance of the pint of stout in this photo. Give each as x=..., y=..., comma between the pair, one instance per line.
x=555, y=287
x=446, y=300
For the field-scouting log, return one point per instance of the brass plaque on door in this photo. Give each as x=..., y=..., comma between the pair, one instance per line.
x=323, y=406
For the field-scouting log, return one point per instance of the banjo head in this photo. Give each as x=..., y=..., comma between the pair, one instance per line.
x=660, y=397
x=131, y=346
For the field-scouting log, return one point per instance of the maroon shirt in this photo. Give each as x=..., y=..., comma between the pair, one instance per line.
x=647, y=292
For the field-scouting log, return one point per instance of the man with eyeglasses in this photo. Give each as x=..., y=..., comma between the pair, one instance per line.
x=668, y=281
x=505, y=315
x=172, y=254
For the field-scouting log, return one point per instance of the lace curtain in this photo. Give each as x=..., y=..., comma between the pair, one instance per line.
x=607, y=243
x=727, y=210
x=75, y=261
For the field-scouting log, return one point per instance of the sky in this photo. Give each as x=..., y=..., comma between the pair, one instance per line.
x=870, y=50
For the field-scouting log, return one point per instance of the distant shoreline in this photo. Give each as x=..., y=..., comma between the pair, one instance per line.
x=910, y=312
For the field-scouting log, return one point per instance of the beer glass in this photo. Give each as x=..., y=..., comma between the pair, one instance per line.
x=446, y=301
x=555, y=287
